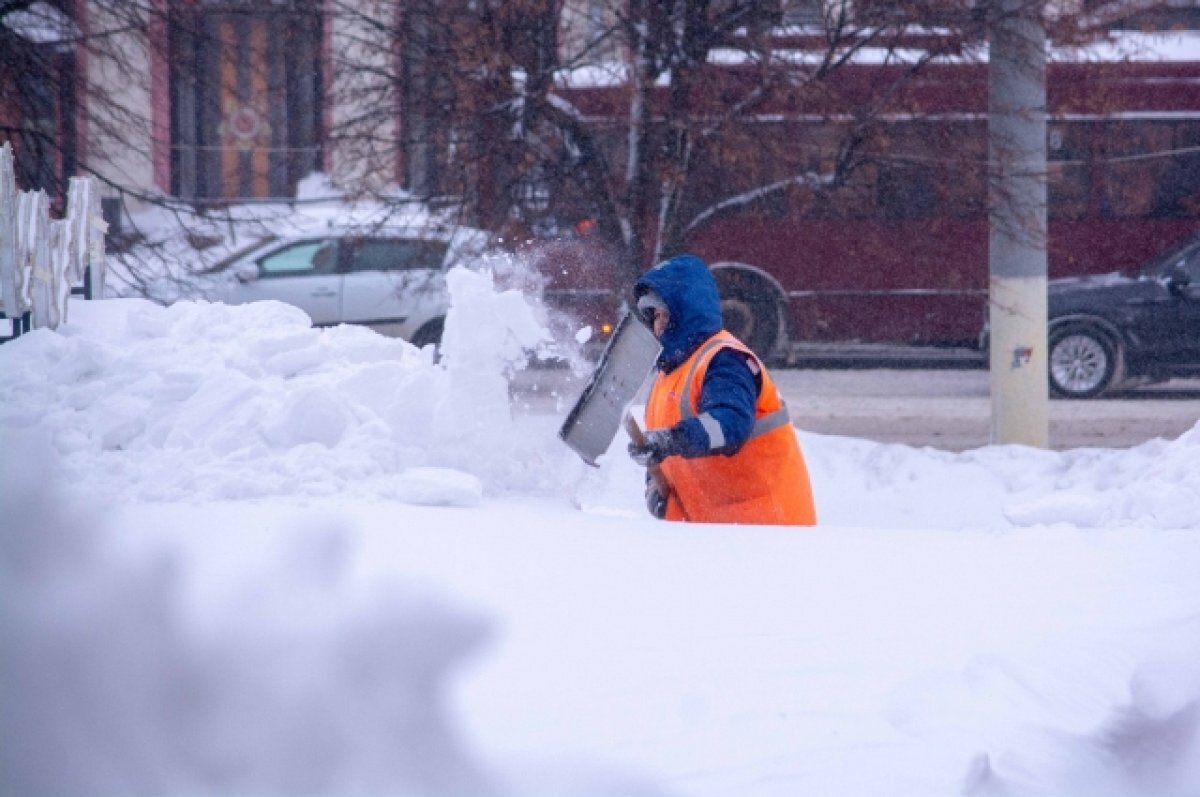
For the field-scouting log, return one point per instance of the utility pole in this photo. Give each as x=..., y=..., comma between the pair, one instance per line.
x=1017, y=219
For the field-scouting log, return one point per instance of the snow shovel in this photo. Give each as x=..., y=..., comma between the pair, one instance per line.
x=592, y=423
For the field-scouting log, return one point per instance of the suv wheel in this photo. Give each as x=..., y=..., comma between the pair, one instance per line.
x=431, y=335
x=1082, y=364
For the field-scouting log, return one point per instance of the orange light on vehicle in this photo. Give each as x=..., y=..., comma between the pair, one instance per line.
x=606, y=329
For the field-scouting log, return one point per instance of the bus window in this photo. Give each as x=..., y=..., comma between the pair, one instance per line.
x=1177, y=194
x=1068, y=153
x=1131, y=178
x=962, y=171
x=854, y=199
x=906, y=191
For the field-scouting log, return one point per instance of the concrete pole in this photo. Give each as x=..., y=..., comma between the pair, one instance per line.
x=10, y=284
x=1017, y=217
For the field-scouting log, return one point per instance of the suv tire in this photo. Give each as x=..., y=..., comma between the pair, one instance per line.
x=431, y=334
x=1082, y=362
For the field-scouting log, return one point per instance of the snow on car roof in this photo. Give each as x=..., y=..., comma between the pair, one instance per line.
x=178, y=246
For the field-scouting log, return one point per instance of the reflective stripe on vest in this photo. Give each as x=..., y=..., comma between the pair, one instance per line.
x=763, y=425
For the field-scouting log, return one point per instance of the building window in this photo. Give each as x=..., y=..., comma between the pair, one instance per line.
x=803, y=12
x=246, y=97
x=37, y=93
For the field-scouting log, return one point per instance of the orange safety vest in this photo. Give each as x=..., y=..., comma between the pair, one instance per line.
x=765, y=482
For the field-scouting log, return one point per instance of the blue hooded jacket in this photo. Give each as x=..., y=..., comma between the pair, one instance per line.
x=731, y=384
x=690, y=292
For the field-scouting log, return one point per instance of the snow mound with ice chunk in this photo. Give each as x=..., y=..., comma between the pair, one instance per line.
x=206, y=401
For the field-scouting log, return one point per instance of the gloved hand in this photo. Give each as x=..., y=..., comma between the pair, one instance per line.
x=659, y=445
x=656, y=502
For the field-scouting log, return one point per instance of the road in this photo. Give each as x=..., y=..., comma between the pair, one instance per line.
x=943, y=408
x=951, y=409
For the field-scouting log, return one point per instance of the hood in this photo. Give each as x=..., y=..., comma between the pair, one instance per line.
x=1092, y=282
x=1100, y=293
x=690, y=292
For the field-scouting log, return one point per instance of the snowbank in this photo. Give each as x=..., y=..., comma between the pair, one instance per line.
x=201, y=401
x=198, y=401
x=1147, y=747
x=861, y=483
x=301, y=680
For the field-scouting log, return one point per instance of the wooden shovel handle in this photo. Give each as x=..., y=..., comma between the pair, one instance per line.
x=639, y=438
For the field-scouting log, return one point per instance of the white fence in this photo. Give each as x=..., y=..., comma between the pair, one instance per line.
x=43, y=260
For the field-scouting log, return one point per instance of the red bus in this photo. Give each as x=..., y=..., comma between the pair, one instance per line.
x=899, y=253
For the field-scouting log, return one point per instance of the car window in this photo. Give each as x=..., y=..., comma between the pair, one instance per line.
x=397, y=254
x=237, y=255
x=309, y=257
x=1164, y=261
x=1192, y=266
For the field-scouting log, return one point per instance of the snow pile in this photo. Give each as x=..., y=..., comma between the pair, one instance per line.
x=1148, y=747
x=487, y=336
x=1154, y=485
x=207, y=401
x=317, y=186
x=301, y=680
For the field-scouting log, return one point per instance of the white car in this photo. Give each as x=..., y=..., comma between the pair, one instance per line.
x=391, y=279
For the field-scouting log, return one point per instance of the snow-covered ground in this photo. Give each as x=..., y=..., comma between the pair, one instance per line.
x=239, y=555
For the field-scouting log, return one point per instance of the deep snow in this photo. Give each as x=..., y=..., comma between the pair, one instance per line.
x=243, y=556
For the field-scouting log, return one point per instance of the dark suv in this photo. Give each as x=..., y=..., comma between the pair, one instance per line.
x=1116, y=328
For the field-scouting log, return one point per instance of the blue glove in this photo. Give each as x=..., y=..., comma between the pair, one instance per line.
x=660, y=444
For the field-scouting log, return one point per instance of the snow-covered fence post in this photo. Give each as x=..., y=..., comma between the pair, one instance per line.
x=33, y=255
x=14, y=309
x=81, y=242
x=41, y=259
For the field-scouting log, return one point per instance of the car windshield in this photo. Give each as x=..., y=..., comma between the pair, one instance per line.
x=1164, y=260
